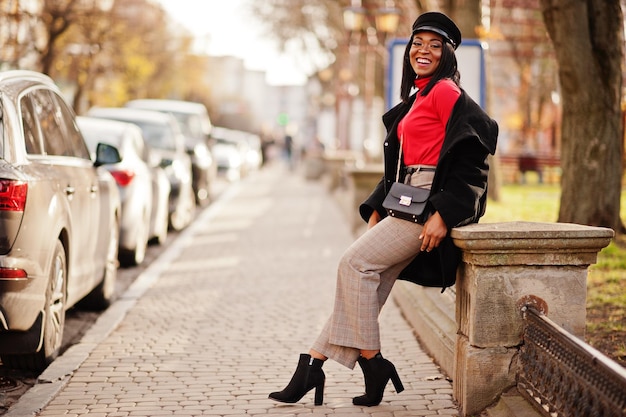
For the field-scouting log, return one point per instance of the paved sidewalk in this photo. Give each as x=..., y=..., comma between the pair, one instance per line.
x=218, y=322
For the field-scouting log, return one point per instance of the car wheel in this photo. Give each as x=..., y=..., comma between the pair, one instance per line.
x=102, y=295
x=53, y=319
x=55, y=306
x=183, y=215
x=203, y=194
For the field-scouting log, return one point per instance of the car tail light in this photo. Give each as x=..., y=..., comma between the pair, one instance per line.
x=12, y=273
x=13, y=195
x=123, y=178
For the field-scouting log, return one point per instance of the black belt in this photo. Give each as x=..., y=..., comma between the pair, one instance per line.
x=417, y=168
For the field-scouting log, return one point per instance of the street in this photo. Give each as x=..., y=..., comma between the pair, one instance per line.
x=217, y=321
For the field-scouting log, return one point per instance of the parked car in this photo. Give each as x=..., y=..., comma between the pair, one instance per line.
x=230, y=153
x=134, y=181
x=163, y=135
x=59, y=214
x=159, y=185
x=195, y=124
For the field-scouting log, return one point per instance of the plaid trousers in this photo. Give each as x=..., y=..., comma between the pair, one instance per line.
x=365, y=276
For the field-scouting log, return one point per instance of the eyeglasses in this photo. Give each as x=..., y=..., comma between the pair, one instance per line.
x=433, y=46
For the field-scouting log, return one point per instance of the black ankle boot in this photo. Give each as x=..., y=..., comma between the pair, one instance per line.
x=377, y=372
x=308, y=375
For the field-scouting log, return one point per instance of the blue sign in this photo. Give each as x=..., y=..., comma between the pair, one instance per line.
x=471, y=61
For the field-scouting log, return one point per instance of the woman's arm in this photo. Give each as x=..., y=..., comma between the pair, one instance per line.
x=373, y=220
x=374, y=203
x=457, y=199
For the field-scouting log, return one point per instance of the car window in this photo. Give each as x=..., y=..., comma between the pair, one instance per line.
x=158, y=136
x=57, y=128
x=32, y=138
x=191, y=125
x=182, y=120
x=195, y=126
x=68, y=124
x=46, y=112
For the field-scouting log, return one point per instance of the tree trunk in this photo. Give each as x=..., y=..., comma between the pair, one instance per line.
x=57, y=18
x=466, y=14
x=588, y=42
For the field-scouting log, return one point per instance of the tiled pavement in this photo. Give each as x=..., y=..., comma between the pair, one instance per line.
x=219, y=320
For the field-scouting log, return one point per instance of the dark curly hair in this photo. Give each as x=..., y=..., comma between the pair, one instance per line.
x=447, y=69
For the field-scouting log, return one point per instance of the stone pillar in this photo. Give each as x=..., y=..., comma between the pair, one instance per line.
x=335, y=163
x=362, y=181
x=505, y=266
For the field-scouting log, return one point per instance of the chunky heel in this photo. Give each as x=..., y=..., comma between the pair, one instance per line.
x=319, y=394
x=377, y=372
x=308, y=375
x=395, y=379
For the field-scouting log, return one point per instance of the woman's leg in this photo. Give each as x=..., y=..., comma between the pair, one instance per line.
x=365, y=277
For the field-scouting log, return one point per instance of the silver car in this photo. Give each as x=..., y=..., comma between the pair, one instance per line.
x=164, y=136
x=195, y=123
x=59, y=214
x=230, y=153
x=133, y=176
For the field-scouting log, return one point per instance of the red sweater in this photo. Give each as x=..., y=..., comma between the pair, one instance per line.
x=424, y=126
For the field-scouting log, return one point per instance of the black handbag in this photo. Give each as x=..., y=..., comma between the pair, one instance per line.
x=405, y=201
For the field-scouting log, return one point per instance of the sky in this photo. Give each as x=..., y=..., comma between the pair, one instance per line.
x=226, y=28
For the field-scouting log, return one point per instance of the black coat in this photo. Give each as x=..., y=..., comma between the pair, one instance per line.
x=459, y=189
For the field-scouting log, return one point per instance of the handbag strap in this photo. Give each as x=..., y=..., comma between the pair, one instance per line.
x=399, y=158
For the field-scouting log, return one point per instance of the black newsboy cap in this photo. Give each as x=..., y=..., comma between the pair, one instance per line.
x=440, y=24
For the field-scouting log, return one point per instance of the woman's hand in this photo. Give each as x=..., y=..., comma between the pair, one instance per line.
x=434, y=231
x=373, y=220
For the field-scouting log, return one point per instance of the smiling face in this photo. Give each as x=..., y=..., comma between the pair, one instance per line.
x=425, y=53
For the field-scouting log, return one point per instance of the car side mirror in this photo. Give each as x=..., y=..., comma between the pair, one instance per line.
x=107, y=154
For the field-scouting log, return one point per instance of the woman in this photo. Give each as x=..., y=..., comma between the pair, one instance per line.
x=445, y=139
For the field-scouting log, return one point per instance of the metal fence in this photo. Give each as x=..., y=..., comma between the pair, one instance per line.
x=565, y=377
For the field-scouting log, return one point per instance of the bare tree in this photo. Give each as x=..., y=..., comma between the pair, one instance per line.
x=310, y=29
x=521, y=38
x=74, y=53
x=57, y=17
x=20, y=32
x=589, y=45
x=124, y=51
